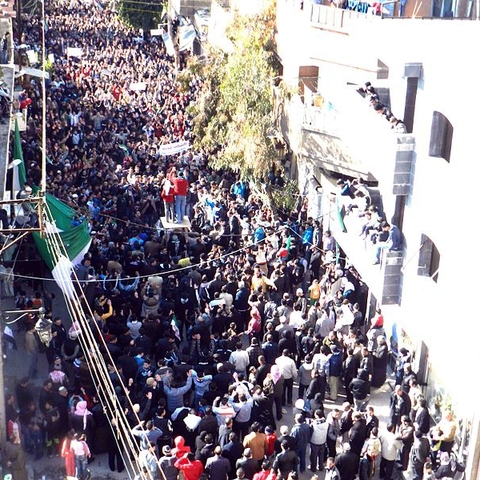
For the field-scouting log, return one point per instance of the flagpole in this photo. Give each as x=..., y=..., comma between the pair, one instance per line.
x=3, y=421
x=43, y=183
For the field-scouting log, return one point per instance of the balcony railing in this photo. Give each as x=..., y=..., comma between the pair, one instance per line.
x=338, y=18
x=321, y=121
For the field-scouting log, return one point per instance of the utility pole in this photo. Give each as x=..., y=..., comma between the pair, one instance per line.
x=3, y=422
x=19, y=21
x=171, y=13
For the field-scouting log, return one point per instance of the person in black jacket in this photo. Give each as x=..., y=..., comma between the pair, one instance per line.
x=422, y=417
x=358, y=433
x=301, y=432
x=347, y=463
x=360, y=389
x=350, y=369
x=248, y=463
x=233, y=450
x=286, y=461
x=419, y=454
x=380, y=362
x=400, y=405
x=318, y=384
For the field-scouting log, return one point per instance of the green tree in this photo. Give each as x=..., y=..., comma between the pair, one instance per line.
x=234, y=115
x=144, y=14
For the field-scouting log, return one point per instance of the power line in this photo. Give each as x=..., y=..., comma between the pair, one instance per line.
x=90, y=347
x=187, y=267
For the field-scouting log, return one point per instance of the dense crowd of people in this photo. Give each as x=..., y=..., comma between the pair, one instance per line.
x=207, y=331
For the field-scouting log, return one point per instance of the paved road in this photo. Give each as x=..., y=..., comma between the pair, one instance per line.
x=15, y=368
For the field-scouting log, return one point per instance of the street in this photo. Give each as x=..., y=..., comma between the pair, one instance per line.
x=16, y=368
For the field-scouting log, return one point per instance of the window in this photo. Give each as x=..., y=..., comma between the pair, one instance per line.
x=441, y=137
x=429, y=259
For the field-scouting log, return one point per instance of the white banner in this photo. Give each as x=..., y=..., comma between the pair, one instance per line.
x=187, y=36
x=74, y=52
x=33, y=72
x=138, y=86
x=168, y=44
x=32, y=56
x=174, y=148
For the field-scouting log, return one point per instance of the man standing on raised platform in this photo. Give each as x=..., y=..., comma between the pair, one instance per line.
x=180, y=185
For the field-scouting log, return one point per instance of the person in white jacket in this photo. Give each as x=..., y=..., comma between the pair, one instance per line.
x=289, y=371
x=318, y=441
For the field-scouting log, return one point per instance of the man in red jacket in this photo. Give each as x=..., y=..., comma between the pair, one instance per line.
x=180, y=185
x=168, y=196
x=191, y=468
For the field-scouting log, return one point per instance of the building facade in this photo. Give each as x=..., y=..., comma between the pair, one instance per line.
x=422, y=180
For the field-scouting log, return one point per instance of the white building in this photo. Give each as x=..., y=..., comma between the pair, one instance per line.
x=426, y=180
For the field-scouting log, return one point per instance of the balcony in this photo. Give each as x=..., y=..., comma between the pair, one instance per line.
x=385, y=279
x=344, y=135
x=338, y=19
x=341, y=133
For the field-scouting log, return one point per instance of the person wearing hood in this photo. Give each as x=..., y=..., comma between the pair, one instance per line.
x=81, y=420
x=360, y=389
x=180, y=449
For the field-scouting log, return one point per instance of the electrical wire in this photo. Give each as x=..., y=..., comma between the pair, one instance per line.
x=180, y=269
x=96, y=363
x=91, y=350
x=98, y=369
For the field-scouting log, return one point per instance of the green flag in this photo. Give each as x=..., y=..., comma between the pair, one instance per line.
x=19, y=172
x=62, y=225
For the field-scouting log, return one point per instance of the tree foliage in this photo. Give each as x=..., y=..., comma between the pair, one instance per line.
x=234, y=115
x=284, y=199
x=145, y=14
